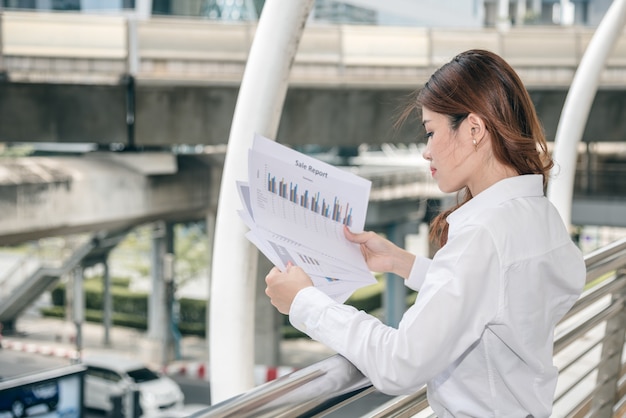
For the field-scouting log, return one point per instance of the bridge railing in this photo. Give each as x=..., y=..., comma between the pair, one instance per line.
x=588, y=352
x=63, y=47
x=606, y=178
x=99, y=48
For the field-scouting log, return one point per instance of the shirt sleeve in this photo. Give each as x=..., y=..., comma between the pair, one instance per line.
x=418, y=273
x=458, y=298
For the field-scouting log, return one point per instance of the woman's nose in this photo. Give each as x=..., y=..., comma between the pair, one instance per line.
x=426, y=153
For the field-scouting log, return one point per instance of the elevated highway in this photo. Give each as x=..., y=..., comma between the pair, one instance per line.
x=162, y=82
x=51, y=196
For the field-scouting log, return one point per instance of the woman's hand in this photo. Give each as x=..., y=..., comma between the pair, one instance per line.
x=282, y=287
x=382, y=255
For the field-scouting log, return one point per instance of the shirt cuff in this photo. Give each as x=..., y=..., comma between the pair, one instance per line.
x=307, y=307
x=418, y=273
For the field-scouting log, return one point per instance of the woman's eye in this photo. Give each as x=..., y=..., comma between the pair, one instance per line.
x=428, y=136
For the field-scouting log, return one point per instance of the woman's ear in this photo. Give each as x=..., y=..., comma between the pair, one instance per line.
x=476, y=126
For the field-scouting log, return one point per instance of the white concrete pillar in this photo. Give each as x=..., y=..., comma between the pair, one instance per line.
x=107, y=296
x=258, y=109
x=156, y=314
x=567, y=13
x=520, y=13
x=394, y=295
x=577, y=106
x=143, y=9
x=503, y=22
x=78, y=307
x=267, y=326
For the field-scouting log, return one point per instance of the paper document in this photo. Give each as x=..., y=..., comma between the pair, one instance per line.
x=296, y=207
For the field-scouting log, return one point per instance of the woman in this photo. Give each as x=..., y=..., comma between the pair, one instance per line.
x=481, y=331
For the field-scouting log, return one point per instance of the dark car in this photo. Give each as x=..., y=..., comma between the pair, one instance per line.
x=19, y=399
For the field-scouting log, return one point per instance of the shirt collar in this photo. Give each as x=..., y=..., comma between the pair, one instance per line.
x=528, y=185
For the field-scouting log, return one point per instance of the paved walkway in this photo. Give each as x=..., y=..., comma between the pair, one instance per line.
x=56, y=337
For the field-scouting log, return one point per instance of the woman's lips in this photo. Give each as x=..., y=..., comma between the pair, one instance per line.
x=433, y=171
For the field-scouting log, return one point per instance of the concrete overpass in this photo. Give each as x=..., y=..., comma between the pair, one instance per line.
x=52, y=196
x=163, y=82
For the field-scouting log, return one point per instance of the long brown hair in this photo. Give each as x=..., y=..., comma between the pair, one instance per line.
x=481, y=82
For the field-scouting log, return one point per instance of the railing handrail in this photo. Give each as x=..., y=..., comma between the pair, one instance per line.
x=9, y=274
x=599, y=255
x=321, y=385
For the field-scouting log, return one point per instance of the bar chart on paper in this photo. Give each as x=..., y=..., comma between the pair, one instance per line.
x=297, y=207
x=311, y=201
x=306, y=200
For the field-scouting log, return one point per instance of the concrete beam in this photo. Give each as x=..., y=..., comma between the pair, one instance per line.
x=62, y=113
x=601, y=212
x=174, y=115
x=42, y=197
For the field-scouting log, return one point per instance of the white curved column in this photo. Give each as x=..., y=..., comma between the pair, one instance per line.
x=233, y=279
x=577, y=106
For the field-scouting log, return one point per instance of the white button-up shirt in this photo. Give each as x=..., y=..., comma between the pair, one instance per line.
x=481, y=331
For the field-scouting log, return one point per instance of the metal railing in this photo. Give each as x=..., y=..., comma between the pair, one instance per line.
x=50, y=264
x=49, y=253
x=588, y=351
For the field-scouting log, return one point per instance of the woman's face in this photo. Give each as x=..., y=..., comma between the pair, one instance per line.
x=450, y=152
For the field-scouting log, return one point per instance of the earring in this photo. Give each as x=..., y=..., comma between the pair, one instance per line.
x=475, y=144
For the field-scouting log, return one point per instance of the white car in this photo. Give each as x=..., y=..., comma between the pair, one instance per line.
x=108, y=376
x=186, y=411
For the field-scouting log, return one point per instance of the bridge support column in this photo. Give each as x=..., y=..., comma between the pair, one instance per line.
x=159, y=313
x=503, y=22
x=108, y=302
x=156, y=316
x=267, y=327
x=78, y=307
x=394, y=295
x=170, y=341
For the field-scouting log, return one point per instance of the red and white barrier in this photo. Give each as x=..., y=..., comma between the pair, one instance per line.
x=45, y=350
x=199, y=370
x=194, y=370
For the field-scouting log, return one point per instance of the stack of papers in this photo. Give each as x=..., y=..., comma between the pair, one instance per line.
x=296, y=208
